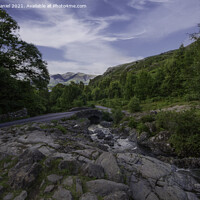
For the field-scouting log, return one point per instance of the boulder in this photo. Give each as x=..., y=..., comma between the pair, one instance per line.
x=53, y=178
x=110, y=166
x=104, y=187
x=88, y=196
x=22, y=196
x=9, y=196
x=152, y=179
x=119, y=195
x=68, y=181
x=93, y=170
x=62, y=194
x=25, y=176
x=72, y=166
x=49, y=188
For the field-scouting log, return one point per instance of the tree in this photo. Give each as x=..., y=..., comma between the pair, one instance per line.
x=23, y=72
x=143, y=85
x=114, y=90
x=129, y=86
x=96, y=94
x=71, y=92
x=22, y=60
x=134, y=105
x=54, y=99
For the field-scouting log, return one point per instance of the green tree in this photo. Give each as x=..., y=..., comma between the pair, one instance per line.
x=134, y=105
x=54, y=99
x=23, y=72
x=143, y=85
x=114, y=89
x=71, y=92
x=129, y=86
x=22, y=60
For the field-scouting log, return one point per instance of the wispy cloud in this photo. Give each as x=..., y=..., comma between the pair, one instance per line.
x=169, y=17
x=91, y=42
x=84, y=42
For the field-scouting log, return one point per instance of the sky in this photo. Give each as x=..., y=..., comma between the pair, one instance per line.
x=104, y=33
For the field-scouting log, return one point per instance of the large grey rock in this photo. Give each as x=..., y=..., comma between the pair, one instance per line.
x=49, y=188
x=25, y=176
x=9, y=196
x=93, y=170
x=146, y=166
x=104, y=187
x=54, y=178
x=171, y=192
x=140, y=189
x=31, y=156
x=22, y=196
x=88, y=153
x=192, y=196
x=152, y=179
x=68, y=181
x=88, y=196
x=72, y=166
x=120, y=195
x=152, y=196
x=111, y=168
x=62, y=194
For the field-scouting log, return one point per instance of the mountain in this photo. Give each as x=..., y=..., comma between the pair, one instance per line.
x=69, y=77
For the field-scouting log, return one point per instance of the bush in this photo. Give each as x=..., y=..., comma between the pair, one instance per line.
x=78, y=103
x=61, y=128
x=134, y=105
x=191, y=97
x=106, y=117
x=142, y=128
x=147, y=118
x=117, y=115
x=185, y=131
x=132, y=123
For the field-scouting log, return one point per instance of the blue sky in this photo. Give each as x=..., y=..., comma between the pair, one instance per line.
x=107, y=32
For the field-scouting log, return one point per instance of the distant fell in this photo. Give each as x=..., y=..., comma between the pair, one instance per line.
x=68, y=77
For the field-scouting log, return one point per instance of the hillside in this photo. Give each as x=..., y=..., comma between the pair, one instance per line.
x=148, y=63
x=68, y=77
x=172, y=74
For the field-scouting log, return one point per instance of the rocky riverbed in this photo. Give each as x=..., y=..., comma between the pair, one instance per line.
x=72, y=159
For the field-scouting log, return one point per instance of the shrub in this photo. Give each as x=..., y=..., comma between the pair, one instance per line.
x=185, y=131
x=134, y=105
x=142, y=128
x=132, y=123
x=117, y=115
x=106, y=117
x=78, y=103
x=147, y=118
x=61, y=128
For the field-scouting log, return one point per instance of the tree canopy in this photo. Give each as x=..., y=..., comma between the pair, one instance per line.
x=21, y=59
x=23, y=72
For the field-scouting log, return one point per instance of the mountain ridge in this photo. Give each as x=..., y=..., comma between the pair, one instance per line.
x=68, y=77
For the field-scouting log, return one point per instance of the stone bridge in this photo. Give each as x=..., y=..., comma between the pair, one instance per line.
x=94, y=115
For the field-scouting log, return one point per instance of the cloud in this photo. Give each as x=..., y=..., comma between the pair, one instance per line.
x=169, y=17
x=137, y=4
x=84, y=42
